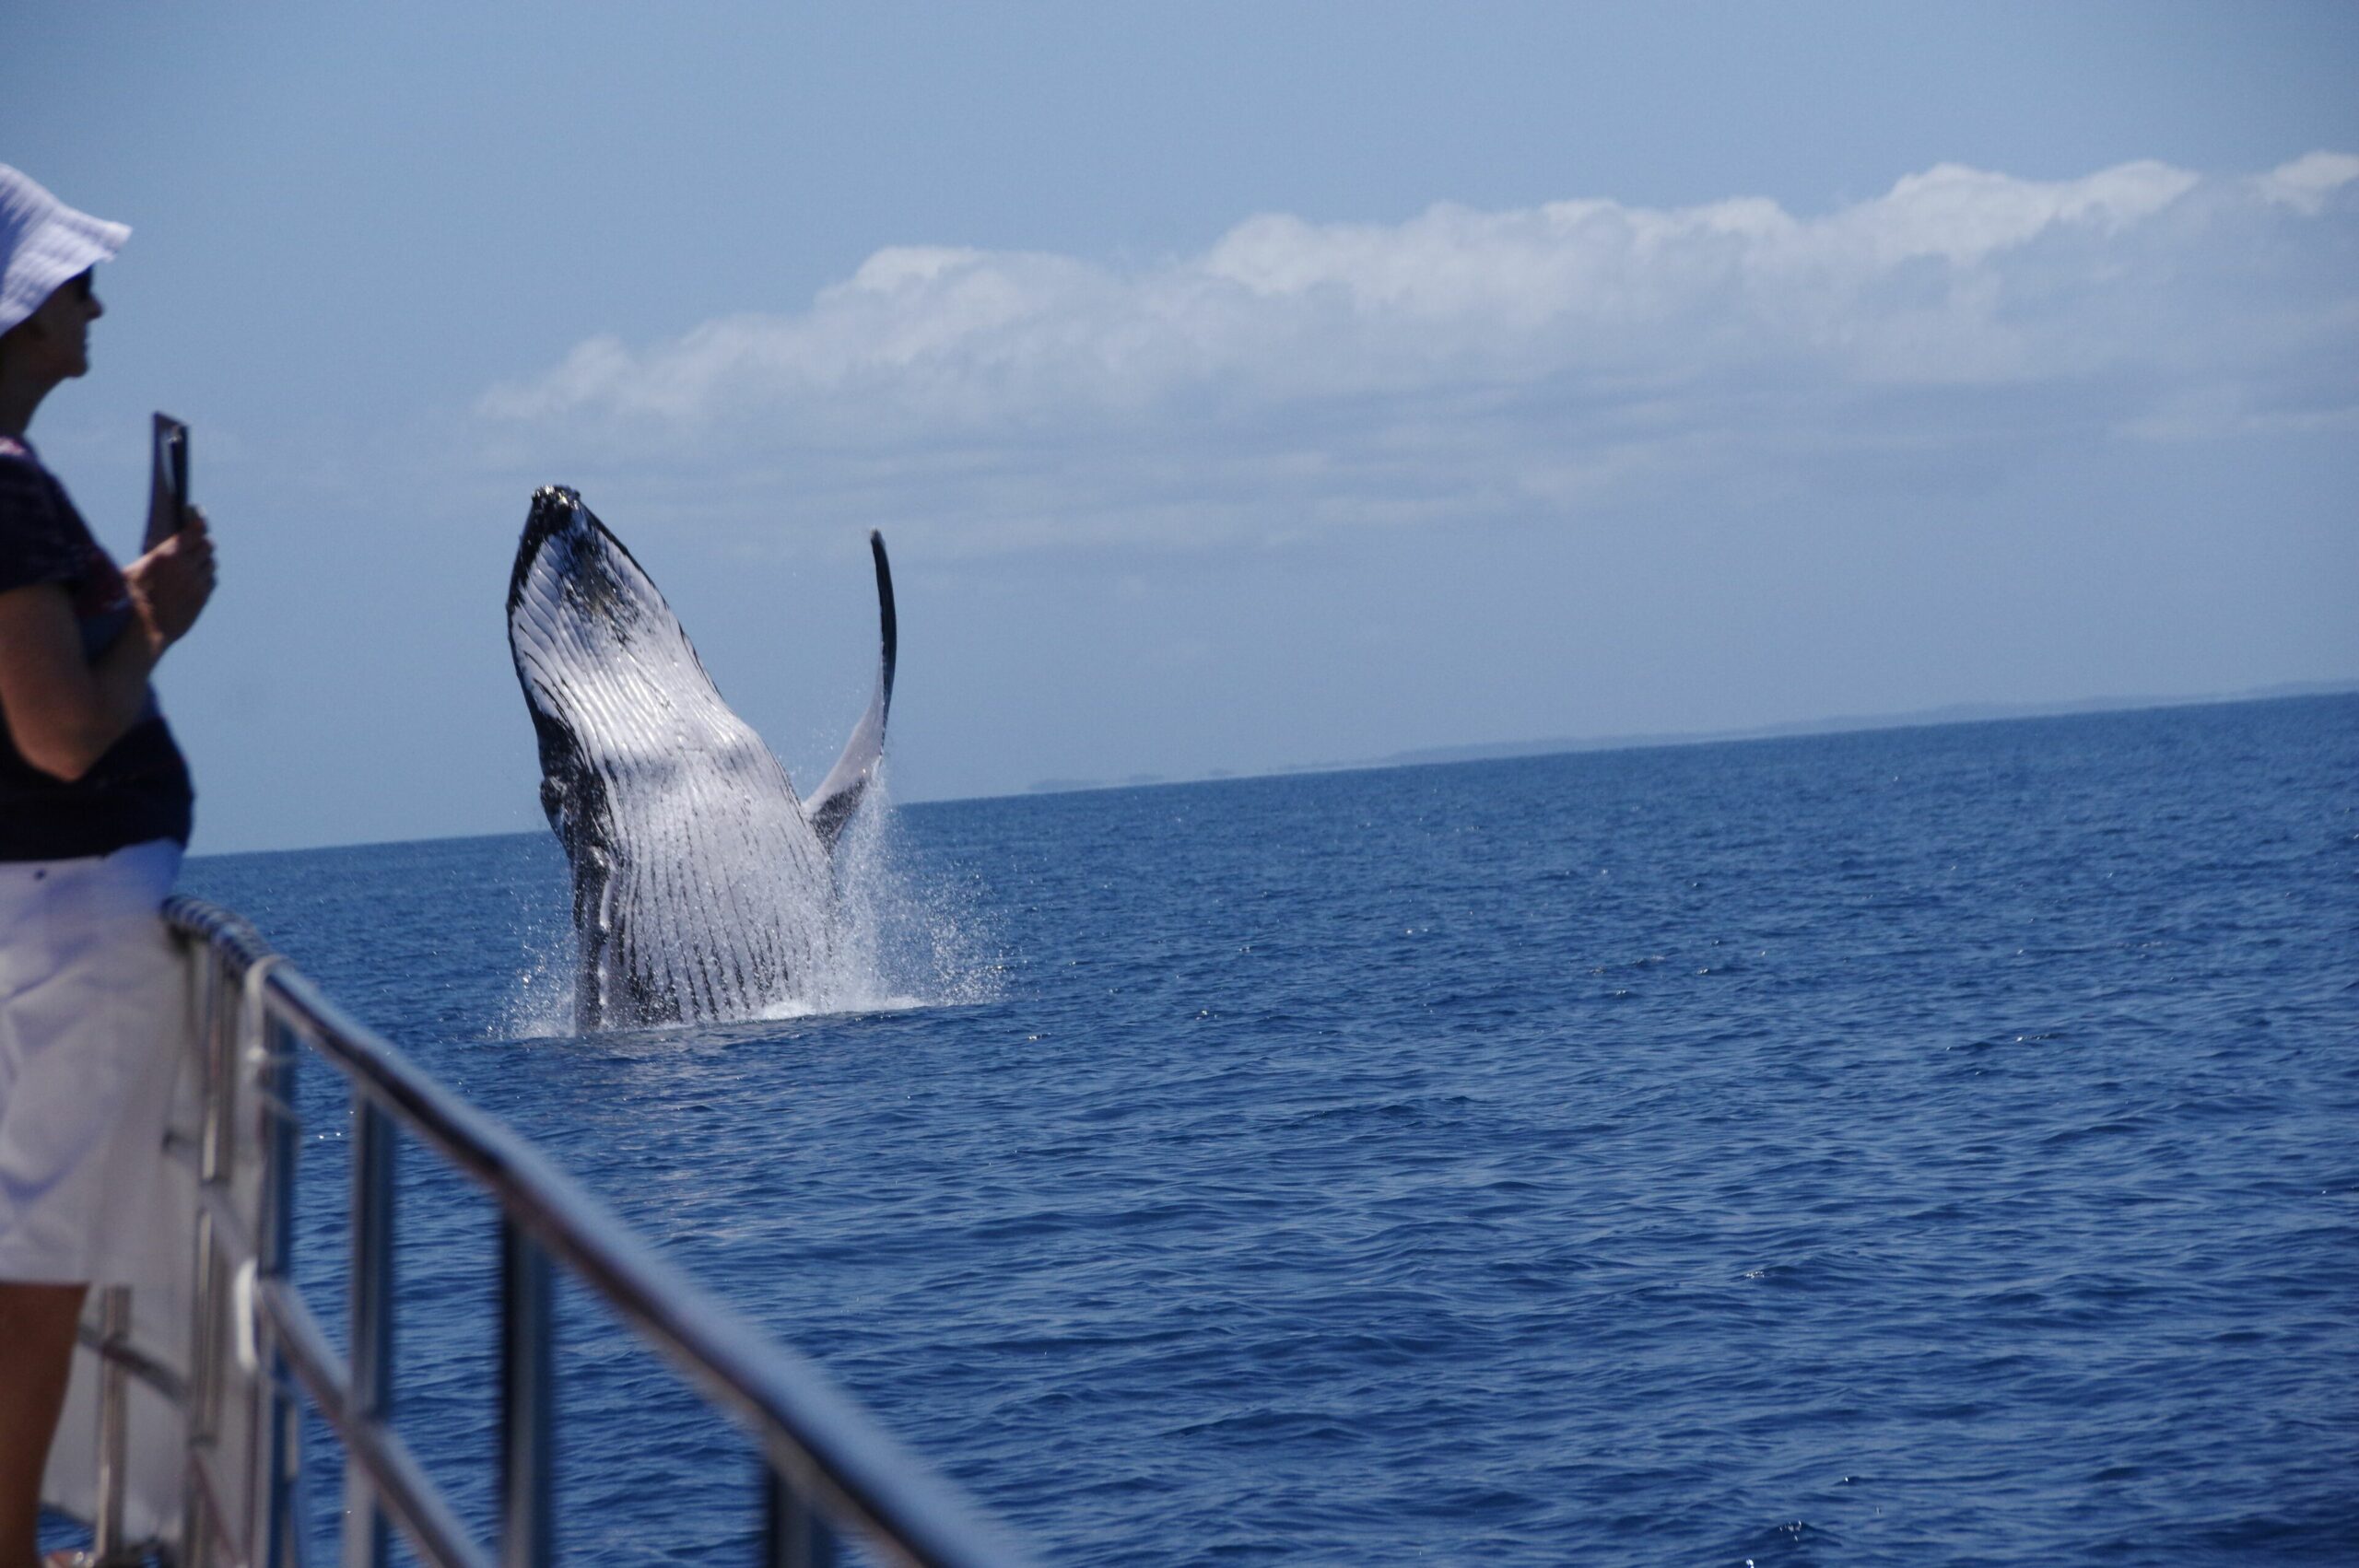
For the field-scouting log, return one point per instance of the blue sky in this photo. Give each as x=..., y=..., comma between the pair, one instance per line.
x=1238, y=386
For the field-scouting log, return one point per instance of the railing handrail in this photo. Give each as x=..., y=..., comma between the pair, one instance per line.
x=816, y=1438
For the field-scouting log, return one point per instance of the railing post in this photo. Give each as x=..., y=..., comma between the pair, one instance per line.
x=793, y=1534
x=202, y=1412
x=527, y=1324
x=218, y=1046
x=367, y=1540
x=280, y=1430
x=114, y=1332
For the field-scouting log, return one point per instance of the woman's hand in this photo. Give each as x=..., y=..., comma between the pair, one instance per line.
x=171, y=583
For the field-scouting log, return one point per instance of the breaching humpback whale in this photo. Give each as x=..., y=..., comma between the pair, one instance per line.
x=702, y=888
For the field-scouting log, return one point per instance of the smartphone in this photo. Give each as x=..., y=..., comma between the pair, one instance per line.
x=168, y=480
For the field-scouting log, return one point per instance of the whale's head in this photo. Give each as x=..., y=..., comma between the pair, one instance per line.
x=618, y=697
x=575, y=579
x=583, y=615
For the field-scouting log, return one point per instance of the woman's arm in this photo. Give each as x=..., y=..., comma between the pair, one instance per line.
x=62, y=713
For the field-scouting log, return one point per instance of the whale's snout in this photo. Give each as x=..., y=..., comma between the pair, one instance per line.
x=553, y=510
x=551, y=522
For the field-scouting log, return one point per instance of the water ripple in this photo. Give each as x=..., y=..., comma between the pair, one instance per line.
x=1917, y=1147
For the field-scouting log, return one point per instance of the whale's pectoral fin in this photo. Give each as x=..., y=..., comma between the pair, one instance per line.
x=831, y=805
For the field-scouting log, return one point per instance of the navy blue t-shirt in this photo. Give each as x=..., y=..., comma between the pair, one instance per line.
x=139, y=790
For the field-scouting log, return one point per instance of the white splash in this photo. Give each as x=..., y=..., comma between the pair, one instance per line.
x=903, y=935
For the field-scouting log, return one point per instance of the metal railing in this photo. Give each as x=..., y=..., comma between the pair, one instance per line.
x=256, y=1353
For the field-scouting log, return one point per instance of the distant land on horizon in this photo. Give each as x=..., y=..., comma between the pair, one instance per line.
x=1954, y=713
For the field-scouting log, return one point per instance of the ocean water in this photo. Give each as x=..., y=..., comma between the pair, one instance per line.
x=1923, y=1146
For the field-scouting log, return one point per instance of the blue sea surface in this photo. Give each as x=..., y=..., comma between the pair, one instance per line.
x=1920, y=1146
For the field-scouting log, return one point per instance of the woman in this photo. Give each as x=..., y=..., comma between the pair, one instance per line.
x=94, y=814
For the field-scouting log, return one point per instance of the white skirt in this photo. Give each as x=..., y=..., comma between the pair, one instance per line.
x=93, y=1002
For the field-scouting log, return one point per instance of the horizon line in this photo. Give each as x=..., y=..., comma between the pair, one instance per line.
x=1942, y=717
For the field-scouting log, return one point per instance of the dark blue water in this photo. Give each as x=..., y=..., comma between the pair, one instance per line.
x=1924, y=1146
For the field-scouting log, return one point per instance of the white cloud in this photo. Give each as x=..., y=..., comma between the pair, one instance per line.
x=1298, y=375
x=2306, y=182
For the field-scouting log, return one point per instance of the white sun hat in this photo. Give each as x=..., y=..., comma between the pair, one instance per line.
x=44, y=244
